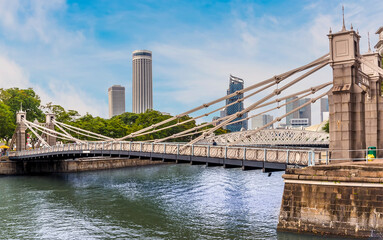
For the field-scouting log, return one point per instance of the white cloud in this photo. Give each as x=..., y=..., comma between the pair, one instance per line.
x=70, y=97
x=189, y=68
x=12, y=75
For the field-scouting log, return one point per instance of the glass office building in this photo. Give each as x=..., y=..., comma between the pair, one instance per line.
x=235, y=84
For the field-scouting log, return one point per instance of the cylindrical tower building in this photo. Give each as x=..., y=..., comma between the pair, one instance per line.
x=142, y=81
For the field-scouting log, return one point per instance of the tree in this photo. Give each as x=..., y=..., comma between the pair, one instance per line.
x=30, y=101
x=61, y=114
x=326, y=127
x=7, y=123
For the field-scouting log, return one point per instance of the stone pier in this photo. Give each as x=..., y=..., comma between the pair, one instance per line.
x=344, y=199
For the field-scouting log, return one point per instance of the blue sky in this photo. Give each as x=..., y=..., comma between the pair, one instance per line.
x=70, y=52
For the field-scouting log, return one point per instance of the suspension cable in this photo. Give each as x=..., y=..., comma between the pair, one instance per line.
x=34, y=132
x=85, y=131
x=251, y=132
x=246, y=110
x=278, y=78
x=311, y=90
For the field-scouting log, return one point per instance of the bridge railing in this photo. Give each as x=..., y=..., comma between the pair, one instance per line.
x=289, y=156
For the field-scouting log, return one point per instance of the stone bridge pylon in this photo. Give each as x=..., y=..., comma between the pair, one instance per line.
x=356, y=104
x=19, y=137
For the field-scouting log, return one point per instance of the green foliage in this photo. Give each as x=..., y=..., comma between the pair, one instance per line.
x=14, y=97
x=326, y=127
x=7, y=123
x=61, y=114
x=116, y=127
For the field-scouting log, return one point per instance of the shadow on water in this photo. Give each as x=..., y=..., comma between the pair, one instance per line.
x=153, y=202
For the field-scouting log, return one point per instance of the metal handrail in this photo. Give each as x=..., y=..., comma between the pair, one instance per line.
x=235, y=152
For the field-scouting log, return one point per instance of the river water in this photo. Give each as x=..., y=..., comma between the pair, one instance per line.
x=152, y=202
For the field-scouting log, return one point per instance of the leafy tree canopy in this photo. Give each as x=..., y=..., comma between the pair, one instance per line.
x=116, y=127
x=16, y=98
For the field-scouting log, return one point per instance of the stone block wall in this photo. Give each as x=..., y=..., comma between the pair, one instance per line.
x=345, y=201
x=78, y=165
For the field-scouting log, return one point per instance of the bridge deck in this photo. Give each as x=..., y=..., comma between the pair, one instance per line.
x=245, y=157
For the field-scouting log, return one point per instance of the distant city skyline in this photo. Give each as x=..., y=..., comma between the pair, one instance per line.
x=71, y=51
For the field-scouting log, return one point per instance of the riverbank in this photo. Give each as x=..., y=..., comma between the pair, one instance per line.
x=70, y=165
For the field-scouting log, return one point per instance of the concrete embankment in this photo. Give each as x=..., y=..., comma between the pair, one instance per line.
x=77, y=165
x=344, y=199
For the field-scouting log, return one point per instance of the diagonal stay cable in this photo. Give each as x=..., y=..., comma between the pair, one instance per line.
x=251, y=107
x=77, y=132
x=85, y=131
x=251, y=132
x=34, y=132
x=277, y=79
x=69, y=135
x=51, y=132
x=207, y=114
x=312, y=90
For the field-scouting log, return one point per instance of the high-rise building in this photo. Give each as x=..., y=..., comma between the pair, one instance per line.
x=142, y=81
x=323, y=108
x=116, y=94
x=303, y=113
x=261, y=120
x=289, y=108
x=235, y=84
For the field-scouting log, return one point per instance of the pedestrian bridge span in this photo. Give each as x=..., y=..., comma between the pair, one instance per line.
x=269, y=159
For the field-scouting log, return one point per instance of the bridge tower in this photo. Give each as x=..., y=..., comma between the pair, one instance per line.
x=373, y=101
x=20, y=130
x=346, y=101
x=49, y=123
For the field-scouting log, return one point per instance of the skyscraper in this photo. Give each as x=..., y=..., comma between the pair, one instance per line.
x=261, y=120
x=303, y=113
x=323, y=108
x=306, y=111
x=289, y=108
x=235, y=84
x=142, y=81
x=116, y=94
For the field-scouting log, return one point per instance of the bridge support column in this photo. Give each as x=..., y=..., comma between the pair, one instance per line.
x=373, y=103
x=20, y=130
x=50, y=118
x=347, y=121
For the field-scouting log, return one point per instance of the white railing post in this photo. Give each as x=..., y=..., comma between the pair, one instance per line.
x=164, y=148
x=244, y=154
x=225, y=152
x=141, y=147
x=192, y=153
x=309, y=158
x=264, y=154
x=327, y=157
x=178, y=149
x=208, y=151
x=287, y=157
x=130, y=146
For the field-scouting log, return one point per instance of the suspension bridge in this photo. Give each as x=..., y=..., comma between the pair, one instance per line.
x=342, y=199
x=355, y=121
